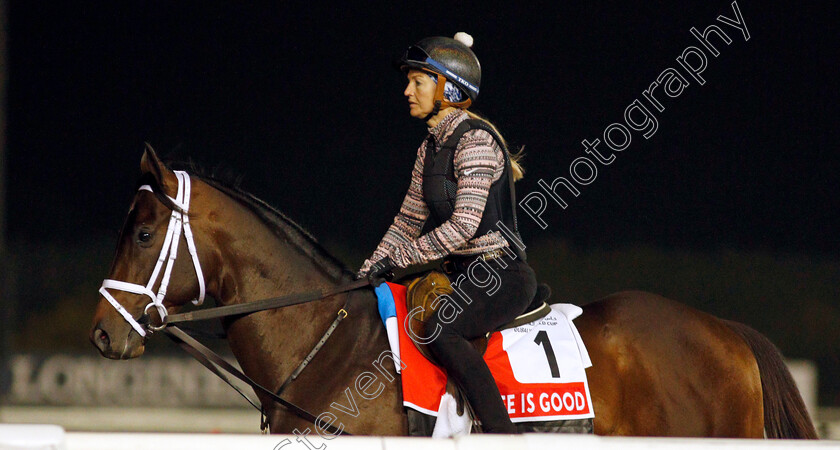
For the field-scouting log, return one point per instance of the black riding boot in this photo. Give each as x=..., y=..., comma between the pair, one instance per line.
x=485, y=312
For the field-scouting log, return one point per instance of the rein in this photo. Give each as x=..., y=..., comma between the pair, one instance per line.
x=178, y=223
x=260, y=305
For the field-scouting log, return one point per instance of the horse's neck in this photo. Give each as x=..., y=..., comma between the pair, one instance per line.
x=269, y=345
x=257, y=260
x=257, y=264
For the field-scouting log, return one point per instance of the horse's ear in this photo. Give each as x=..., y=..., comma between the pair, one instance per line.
x=150, y=163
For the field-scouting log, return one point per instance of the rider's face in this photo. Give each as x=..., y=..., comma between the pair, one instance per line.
x=420, y=93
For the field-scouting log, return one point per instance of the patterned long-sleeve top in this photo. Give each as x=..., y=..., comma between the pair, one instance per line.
x=478, y=162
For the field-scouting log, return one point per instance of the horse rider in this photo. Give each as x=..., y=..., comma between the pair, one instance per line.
x=461, y=189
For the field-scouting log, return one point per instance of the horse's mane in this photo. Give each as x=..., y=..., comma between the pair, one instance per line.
x=281, y=224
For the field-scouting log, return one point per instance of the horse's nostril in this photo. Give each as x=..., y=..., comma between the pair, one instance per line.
x=101, y=339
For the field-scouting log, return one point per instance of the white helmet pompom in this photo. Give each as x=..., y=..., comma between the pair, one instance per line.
x=464, y=38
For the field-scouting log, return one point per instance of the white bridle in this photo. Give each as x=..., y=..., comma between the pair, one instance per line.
x=179, y=220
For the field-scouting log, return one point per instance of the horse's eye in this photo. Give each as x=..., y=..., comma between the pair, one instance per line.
x=144, y=236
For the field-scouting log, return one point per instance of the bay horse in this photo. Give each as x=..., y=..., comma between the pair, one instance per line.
x=659, y=368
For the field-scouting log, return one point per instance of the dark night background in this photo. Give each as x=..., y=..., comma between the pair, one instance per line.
x=303, y=103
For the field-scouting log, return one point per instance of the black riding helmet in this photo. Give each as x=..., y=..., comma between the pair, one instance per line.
x=449, y=59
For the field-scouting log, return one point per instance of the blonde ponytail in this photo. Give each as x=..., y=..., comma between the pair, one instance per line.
x=515, y=158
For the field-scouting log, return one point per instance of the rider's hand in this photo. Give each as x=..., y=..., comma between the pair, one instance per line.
x=380, y=271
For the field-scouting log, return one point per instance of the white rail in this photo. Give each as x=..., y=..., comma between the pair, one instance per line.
x=97, y=441
x=52, y=437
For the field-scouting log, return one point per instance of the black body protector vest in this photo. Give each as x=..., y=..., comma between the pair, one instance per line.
x=440, y=185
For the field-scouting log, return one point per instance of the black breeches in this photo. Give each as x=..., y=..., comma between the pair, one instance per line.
x=486, y=297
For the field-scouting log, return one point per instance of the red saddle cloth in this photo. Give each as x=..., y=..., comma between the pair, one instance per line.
x=538, y=367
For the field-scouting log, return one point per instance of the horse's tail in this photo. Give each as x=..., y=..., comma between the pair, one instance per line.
x=785, y=416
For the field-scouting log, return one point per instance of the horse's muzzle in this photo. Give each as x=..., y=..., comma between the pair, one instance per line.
x=131, y=347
